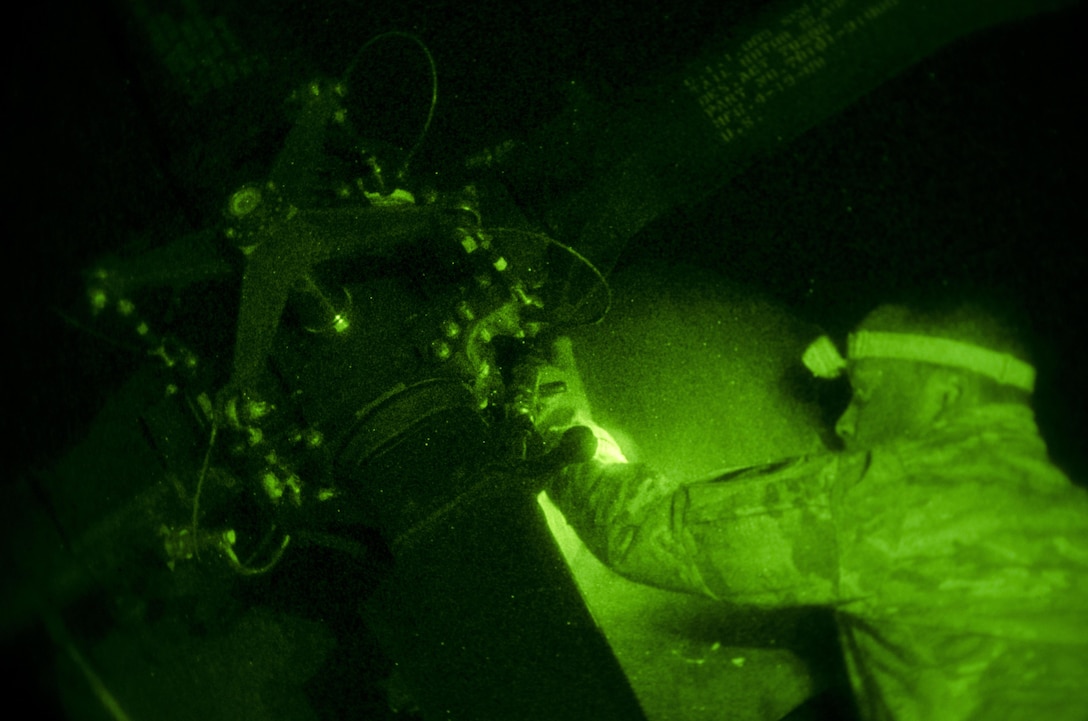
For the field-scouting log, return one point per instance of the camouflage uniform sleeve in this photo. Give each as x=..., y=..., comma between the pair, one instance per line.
x=762, y=536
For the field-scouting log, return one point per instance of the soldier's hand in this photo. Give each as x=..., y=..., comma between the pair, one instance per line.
x=563, y=403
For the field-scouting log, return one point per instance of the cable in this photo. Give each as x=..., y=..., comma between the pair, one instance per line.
x=434, y=84
x=576, y=254
x=245, y=570
x=200, y=480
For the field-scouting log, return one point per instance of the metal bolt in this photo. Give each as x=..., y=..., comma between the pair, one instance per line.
x=441, y=349
x=244, y=202
x=99, y=299
x=258, y=409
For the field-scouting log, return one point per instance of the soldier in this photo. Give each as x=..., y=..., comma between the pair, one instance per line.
x=952, y=552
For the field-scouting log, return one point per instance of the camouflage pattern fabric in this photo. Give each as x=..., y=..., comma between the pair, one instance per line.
x=957, y=562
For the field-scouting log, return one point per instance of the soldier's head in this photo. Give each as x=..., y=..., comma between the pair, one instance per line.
x=913, y=367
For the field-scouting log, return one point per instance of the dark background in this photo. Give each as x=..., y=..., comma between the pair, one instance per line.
x=961, y=173
x=965, y=167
